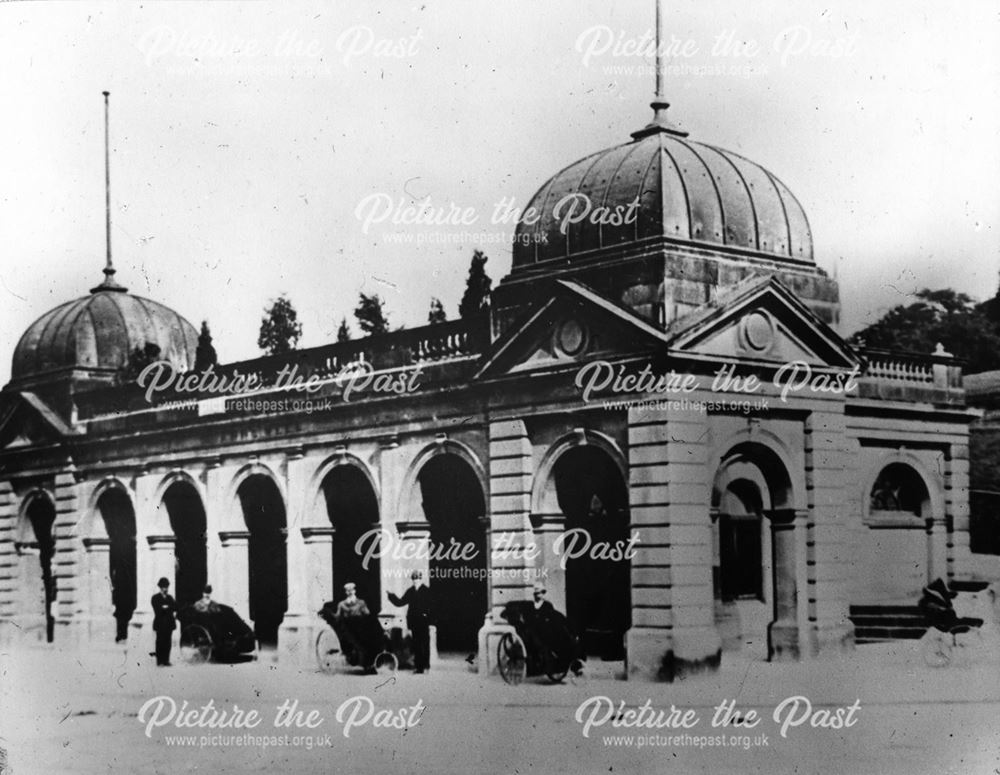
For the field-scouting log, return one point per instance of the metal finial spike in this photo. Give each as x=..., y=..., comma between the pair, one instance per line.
x=109, y=283
x=659, y=103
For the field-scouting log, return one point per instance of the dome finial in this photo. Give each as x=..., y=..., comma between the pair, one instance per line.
x=659, y=103
x=109, y=283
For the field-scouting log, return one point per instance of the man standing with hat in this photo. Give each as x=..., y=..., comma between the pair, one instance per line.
x=164, y=608
x=417, y=599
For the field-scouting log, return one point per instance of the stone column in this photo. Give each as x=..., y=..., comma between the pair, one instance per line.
x=956, y=507
x=787, y=534
x=937, y=548
x=294, y=634
x=8, y=564
x=235, y=568
x=673, y=614
x=95, y=572
x=826, y=595
x=66, y=562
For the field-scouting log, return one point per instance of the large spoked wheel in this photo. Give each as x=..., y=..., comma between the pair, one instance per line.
x=386, y=663
x=328, y=653
x=937, y=650
x=511, y=659
x=196, y=644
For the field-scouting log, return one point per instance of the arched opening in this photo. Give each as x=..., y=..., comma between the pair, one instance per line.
x=264, y=514
x=352, y=507
x=115, y=508
x=36, y=548
x=593, y=498
x=899, y=488
x=741, y=542
x=188, y=522
x=454, y=505
x=754, y=573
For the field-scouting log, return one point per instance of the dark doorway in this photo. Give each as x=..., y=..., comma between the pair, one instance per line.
x=454, y=503
x=352, y=506
x=187, y=520
x=264, y=513
x=741, y=564
x=41, y=515
x=119, y=520
x=593, y=497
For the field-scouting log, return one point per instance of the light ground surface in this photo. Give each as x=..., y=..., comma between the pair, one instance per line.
x=76, y=713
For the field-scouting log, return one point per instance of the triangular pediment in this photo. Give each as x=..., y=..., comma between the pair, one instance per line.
x=759, y=321
x=573, y=326
x=26, y=420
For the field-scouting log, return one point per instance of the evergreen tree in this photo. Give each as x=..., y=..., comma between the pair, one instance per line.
x=370, y=315
x=280, y=329
x=477, y=287
x=344, y=331
x=437, y=313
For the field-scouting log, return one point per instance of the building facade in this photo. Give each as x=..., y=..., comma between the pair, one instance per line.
x=656, y=418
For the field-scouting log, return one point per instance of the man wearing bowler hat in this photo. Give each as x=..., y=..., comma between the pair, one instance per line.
x=164, y=608
x=417, y=600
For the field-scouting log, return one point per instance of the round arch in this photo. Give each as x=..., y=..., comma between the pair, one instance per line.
x=771, y=455
x=232, y=516
x=91, y=524
x=35, y=543
x=542, y=496
x=408, y=509
x=932, y=486
x=314, y=515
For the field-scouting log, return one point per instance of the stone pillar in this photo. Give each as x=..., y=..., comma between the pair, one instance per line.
x=318, y=545
x=297, y=625
x=512, y=544
x=828, y=536
x=956, y=508
x=95, y=572
x=8, y=564
x=673, y=630
x=235, y=568
x=68, y=604
x=215, y=525
x=787, y=533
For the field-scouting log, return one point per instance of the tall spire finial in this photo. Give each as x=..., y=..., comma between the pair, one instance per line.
x=659, y=103
x=109, y=283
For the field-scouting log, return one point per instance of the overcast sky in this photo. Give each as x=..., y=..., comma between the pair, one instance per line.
x=245, y=136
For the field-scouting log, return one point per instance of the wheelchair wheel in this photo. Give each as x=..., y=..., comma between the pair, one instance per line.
x=386, y=663
x=511, y=659
x=937, y=650
x=328, y=653
x=196, y=644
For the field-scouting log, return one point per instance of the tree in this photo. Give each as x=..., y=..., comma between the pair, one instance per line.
x=344, y=331
x=280, y=329
x=477, y=287
x=944, y=316
x=370, y=315
x=205, y=356
x=437, y=313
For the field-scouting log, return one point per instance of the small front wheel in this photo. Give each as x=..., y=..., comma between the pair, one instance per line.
x=511, y=659
x=196, y=644
x=328, y=654
x=386, y=663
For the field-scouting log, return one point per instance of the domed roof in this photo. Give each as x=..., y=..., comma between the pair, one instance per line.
x=99, y=331
x=684, y=191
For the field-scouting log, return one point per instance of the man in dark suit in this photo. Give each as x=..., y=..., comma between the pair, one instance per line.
x=164, y=608
x=417, y=599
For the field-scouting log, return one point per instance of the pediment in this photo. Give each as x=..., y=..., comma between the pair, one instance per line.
x=761, y=322
x=573, y=326
x=26, y=420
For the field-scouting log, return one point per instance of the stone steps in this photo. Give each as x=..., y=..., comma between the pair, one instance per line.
x=886, y=623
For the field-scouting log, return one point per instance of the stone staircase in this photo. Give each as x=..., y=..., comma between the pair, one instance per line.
x=884, y=623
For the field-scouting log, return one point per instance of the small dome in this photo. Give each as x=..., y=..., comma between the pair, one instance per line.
x=685, y=191
x=99, y=331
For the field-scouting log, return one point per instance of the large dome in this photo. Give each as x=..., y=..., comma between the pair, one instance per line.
x=99, y=331
x=686, y=192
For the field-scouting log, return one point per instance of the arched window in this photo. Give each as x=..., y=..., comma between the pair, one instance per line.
x=899, y=492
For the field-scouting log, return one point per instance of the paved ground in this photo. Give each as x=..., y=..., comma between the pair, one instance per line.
x=78, y=713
